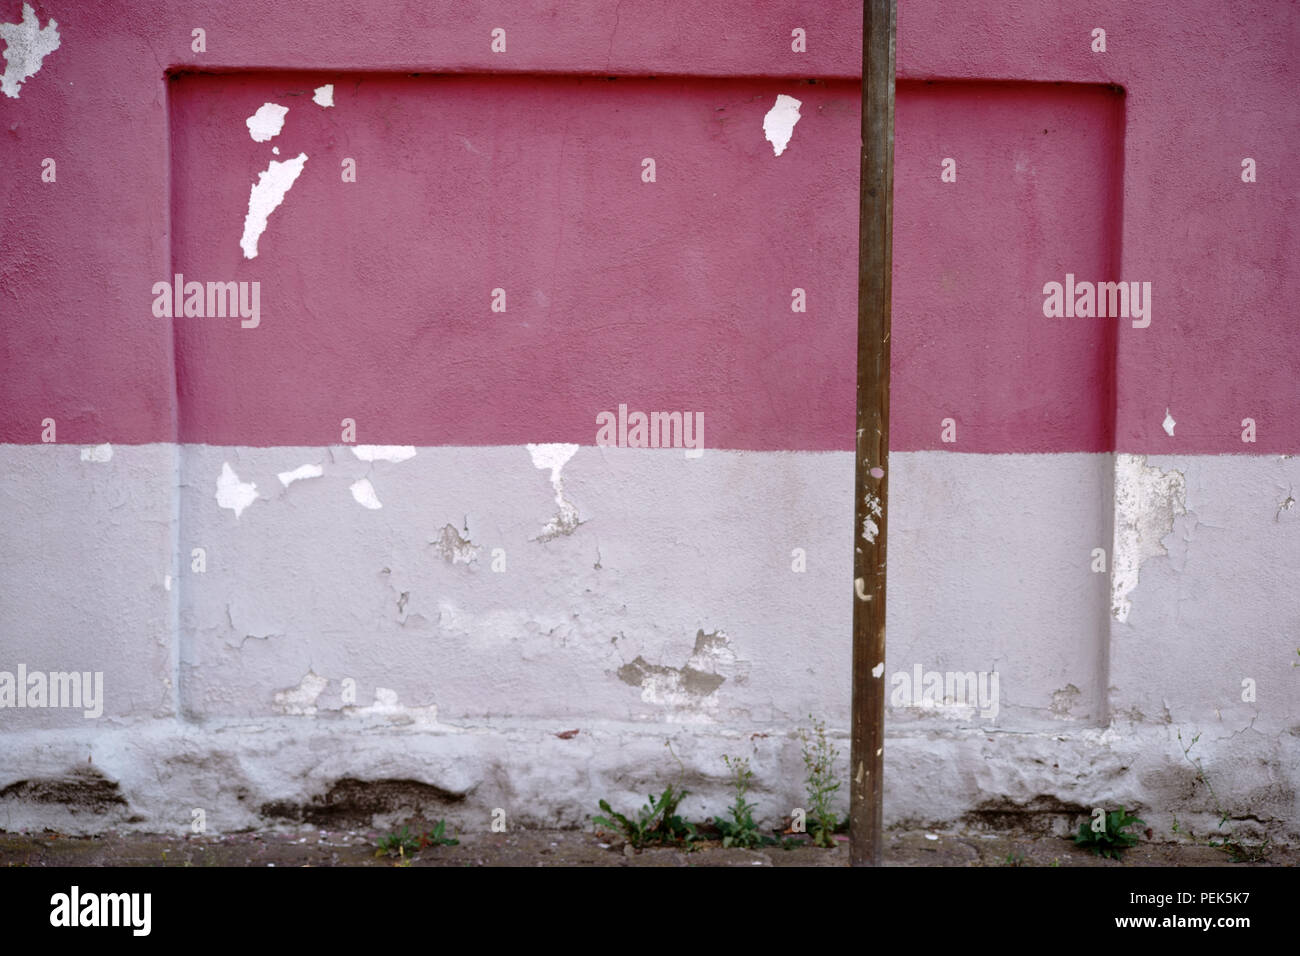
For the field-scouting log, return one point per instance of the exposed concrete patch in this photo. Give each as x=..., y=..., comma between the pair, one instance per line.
x=324, y=95
x=454, y=548
x=27, y=46
x=1146, y=502
x=1064, y=699
x=686, y=692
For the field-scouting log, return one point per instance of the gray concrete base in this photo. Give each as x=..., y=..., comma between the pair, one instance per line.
x=284, y=771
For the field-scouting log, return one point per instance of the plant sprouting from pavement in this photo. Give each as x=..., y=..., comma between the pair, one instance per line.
x=819, y=756
x=740, y=830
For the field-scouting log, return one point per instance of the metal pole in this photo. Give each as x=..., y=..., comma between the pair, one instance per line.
x=871, y=483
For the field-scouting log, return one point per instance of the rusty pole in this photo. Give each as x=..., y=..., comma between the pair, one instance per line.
x=871, y=483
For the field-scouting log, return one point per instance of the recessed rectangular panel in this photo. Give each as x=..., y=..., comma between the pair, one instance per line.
x=1032, y=196
x=646, y=240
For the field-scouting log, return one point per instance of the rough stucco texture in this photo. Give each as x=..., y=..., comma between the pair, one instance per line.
x=424, y=619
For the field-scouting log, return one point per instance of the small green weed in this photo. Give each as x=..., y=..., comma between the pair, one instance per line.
x=401, y=843
x=1112, y=840
x=819, y=760
x=657, y=822
x=405, y=844
x=438, y=836
x=741, y=830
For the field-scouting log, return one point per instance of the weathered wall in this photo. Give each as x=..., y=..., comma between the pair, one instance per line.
x=425, y=617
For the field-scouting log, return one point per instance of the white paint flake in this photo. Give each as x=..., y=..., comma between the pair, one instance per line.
x=100, y=453
x=1168, y=424
x=324, y=95
x=555, y=456
x=302, y=471
x=233, y=493
x=27, y=45
x=869, y=527
x=1146, y=502
x=878, y=669
x=267, y=122
x=778, y=124
x=364, y=493
x=265, y=196
x=300, y=701
x=388, y=706
x=393, y=453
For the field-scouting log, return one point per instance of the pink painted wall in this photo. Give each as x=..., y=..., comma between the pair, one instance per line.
x=667, y=295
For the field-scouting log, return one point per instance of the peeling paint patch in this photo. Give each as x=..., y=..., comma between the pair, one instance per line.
x=1064, y=699
x=363, y=492
x=300, y=701
x=1168, y=424
x=1146, y=502
x=878, y=669
x=386, y=705
x=100, y=453
x=393, y=453
x=453, y=548
x=324, y=95
x=27, y=44
x=302, y=471
x=555, y=456
x=247, y=628
x=265, y=197
x=686, y=692
x=869, y=527
x=778, y=124
x=267, y=122
x=233, y=493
